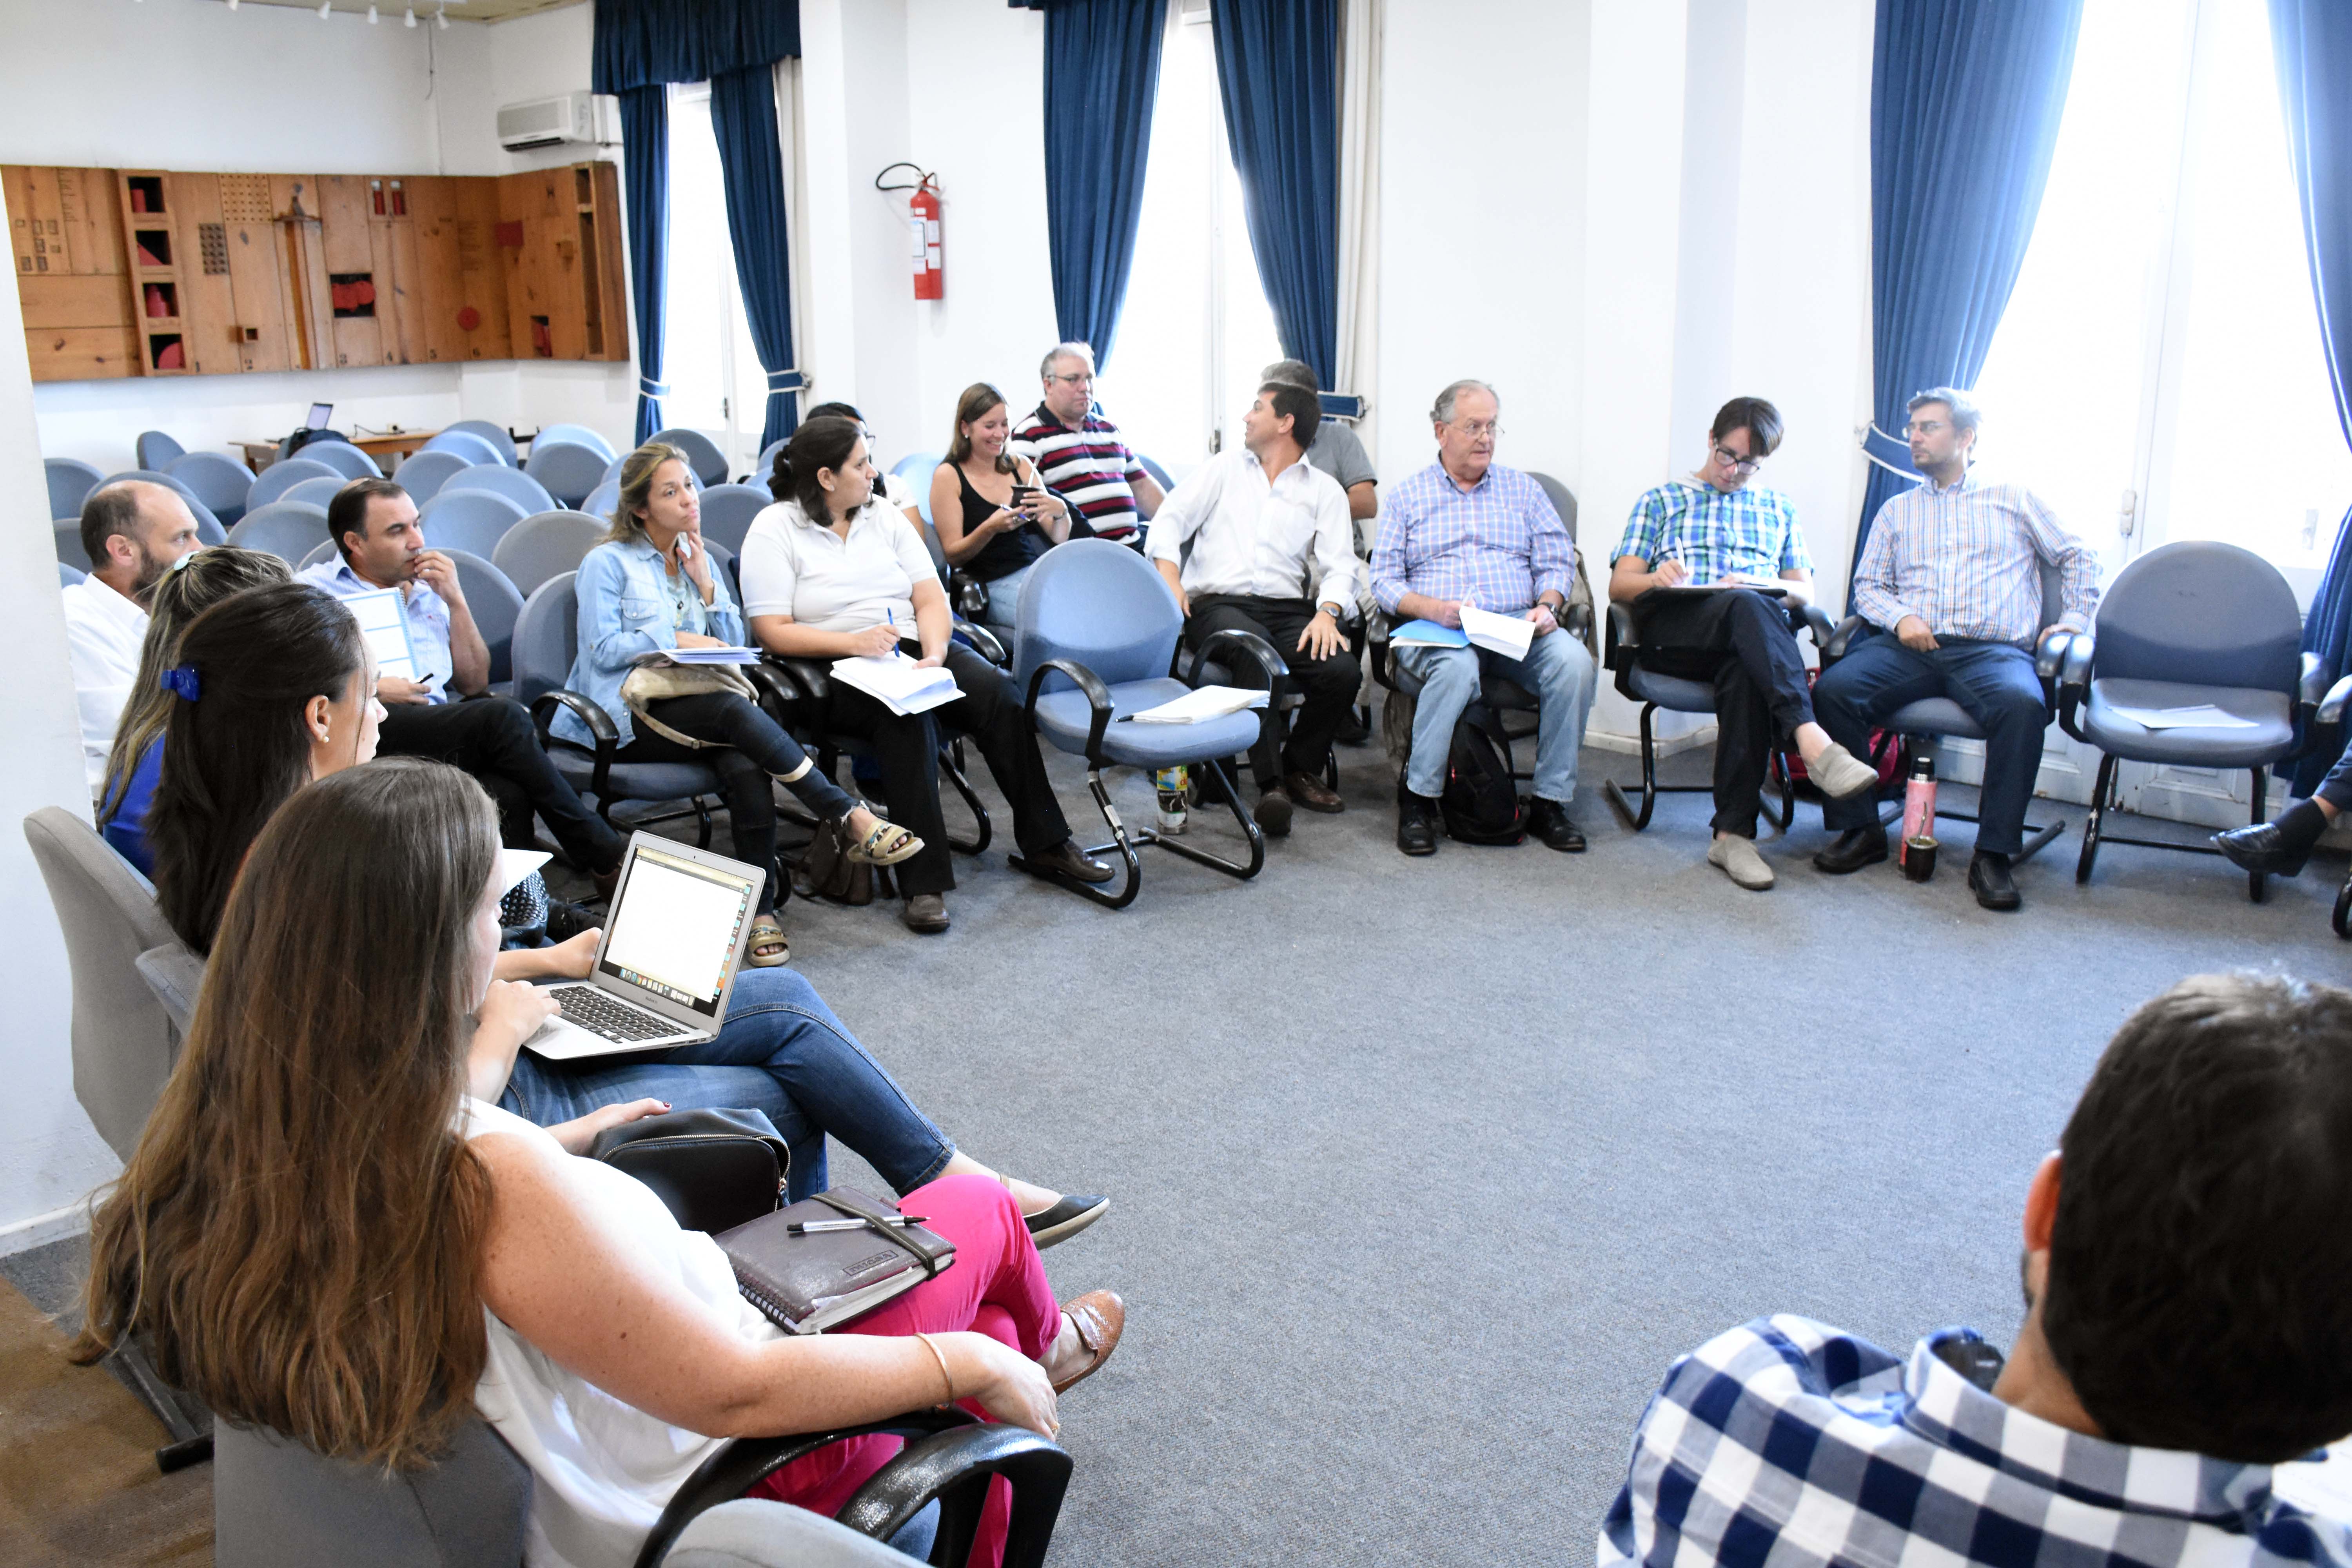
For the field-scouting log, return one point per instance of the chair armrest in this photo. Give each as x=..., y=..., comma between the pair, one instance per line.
x=813, y=677
x=1810, y=618
x=1624, y=639
x=1251, y=646
x=1097, y=698
x=1841, y=638
x=600, y=728
x=2050, y=653
x=1577, y=621
x=2074, y=681
x=2331, y=707
x=737, y=1466
x=932, y=1468
x=985, y=643
x=2312, y=686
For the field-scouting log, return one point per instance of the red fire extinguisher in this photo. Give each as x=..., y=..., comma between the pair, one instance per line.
x=923, y=229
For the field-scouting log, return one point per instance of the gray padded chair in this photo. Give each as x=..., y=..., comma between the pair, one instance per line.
x=290, y=529
x=574, y=435
x=512, y=483
x=603, y=500
x=278, y=1504
x=495, y=436
x=767, y=463
x=566, y=469
x=613, y=470
x=154, y=449
x=175, y=976
x=471, y=521
x=326, y=552
x=71, y=482
x=318, y=492
x=284, y=475
x=1159, y=475
x=69, y=549
x=69, y=576
x=468, y=444
x=221, y=482
x=497, y=604
x=344, y=458
x=728, y=511
x=915, y=469
x=423, y=474
x=545, y=546
x=703, y=454
x=2187, y=625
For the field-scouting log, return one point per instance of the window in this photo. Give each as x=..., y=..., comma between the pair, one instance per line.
x=716, y=386
x=1196, y=328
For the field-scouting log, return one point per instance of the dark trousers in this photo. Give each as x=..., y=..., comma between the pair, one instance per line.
x=908, y=748
x=1993, y=682
x=2336, y=789
x=493, y=738
x=1329, y=685
x=1743, y=642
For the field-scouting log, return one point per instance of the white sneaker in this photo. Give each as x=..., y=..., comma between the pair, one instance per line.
x=1839, y=773
x=1739, y=861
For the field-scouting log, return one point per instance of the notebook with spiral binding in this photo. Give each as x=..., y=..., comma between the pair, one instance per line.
x=807, y=1284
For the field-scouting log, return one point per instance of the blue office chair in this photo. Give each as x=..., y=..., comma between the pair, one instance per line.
x=496, y=436
x=547, y=545
x=344, y=458
x=2190, y=625
x=1159, y=475
x=221, y=482
x=465, y=444
x=766, y=467
x=284, y=475
x=71, y=482
x=567, y=470
x=613, y=470
x=728, y=511
x=703, y=454
x=422, y=473
x=574, y=435
x=326, y=552
x=318, y=492
x=512, y=483
x=69, y=576
x=603, y=500
x=1094, y=637
x=497, y=604
x=471, y=521
x=916, y=468
x=154, y=449
x=290, y=529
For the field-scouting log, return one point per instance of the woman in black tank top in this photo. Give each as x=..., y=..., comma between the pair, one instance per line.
x=992, y=517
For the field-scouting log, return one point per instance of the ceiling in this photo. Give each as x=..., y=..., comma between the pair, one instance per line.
x=459, y=10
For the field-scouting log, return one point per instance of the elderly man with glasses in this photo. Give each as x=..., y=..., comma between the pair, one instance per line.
x=1079, y=455
x=1467, y=531
x=1700, y=556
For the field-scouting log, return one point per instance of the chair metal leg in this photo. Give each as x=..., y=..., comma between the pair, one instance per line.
x=190, y=1444
x=1638, y=820
x=2342, y=919
x=1121, y=843
x=1225, y=790
x=2092, y=823
x=2254, y=880
x=1788, y=817
x=952, y=769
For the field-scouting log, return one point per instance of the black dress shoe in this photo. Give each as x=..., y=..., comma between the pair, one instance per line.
x=1272, y=812
x=1549, y=820
x=1416, y=823
x=1068, y=859
x=1995, y=889
x=2266, y=848
x=1064, y=1219
x=1854, y=848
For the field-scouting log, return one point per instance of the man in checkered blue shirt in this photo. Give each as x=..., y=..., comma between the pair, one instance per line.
x=2188, y=1276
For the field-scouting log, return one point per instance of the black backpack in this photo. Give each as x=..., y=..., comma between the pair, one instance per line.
x=1479, y=804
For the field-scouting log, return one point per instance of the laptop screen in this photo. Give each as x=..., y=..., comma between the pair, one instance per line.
x=319, y=414
x=676, y=925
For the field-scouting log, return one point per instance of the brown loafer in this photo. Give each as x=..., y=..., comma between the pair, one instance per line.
x=1068, y=859
x=925, y=912
x=1100, y=1317
x=1312, y=795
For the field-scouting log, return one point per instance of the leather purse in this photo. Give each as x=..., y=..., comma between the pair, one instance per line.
x=713, y=1170
x=826, y=871
x=659, y=680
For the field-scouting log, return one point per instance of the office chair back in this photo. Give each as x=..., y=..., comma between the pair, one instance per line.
x=1096, y=603
x=157, y=450
x=496, y=603
x=545, y=546
x=463, y=443
x=123, y=1043
x=916, y=468
x=703, y=454
x=574, y=435
x=71, y=482
x=283, y=476
x=1159, y=475
x=566, y=469
x=546, y=638
x=290, y=529
x=728, y=511
x=1563, y=500
x=471, y=521
x=765, y=467
x=69, y=576
x=344, y=458
x=279, y=1504
x=491, y=434
x=318, y=492
x=69, y=549
x=2200, y=613
x=423, y=474
x=603, y=500
x=512, y=483
x=220, y=481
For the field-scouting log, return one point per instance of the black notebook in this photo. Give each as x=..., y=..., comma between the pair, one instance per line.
x=807, y=1284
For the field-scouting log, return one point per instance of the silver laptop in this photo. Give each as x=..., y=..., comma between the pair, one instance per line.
x=319, y=416
x=674, y=942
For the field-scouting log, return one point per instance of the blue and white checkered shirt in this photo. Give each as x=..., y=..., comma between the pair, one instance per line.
x=1751, y=532
x=1788, y=1445
x=1966, y=559
x=1498, y=544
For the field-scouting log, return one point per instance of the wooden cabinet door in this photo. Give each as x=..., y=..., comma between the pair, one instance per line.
x=208, y=298
x=539, y=235
x=258, y=297
x=65, y=238
x=600, y=238
x=348, y=255
x=458, y=300
x=306, y=302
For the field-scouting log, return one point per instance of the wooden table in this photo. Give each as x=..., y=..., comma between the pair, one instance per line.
x=387, y=449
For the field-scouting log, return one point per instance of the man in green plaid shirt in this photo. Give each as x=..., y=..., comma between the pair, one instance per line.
x=1714, y=531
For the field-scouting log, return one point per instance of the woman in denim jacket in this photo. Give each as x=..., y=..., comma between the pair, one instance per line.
x=650, y=585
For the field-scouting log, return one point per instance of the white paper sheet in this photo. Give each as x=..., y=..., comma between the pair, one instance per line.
x=2203, y=716
x=1509, y=636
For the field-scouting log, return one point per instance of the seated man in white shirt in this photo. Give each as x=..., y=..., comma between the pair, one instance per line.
x=134, y=532
x=1262, y=522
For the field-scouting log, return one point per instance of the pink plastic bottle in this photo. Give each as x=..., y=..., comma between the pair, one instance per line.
x=1918, y=805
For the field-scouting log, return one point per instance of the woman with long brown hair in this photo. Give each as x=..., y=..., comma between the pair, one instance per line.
x=322, y=1234
x=995, y=517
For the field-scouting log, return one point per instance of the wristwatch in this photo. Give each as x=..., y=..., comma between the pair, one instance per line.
x=1330, y=609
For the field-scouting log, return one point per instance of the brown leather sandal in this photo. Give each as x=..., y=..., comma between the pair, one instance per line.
x=871, y=850
x=1100, y=1317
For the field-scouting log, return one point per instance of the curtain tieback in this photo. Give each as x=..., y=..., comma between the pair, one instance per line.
x=783, y=381
x=1861, y=440
x=1339, y=405
x=649, y=387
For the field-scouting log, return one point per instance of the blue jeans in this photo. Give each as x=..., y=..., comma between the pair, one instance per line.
x=1004, y=599
x=1994, y=684
x=1556, y=669
x=780, y=1051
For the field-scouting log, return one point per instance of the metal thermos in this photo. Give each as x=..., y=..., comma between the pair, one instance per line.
x=1918, y=805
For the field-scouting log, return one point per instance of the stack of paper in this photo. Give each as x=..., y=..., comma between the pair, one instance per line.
x=692, y=656
x=2204, y=716
x=897, y=682
x=1203, y=702
x=382, y=616
x=1507, y=635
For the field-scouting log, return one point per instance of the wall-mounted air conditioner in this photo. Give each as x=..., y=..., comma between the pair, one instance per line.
x=571, y=116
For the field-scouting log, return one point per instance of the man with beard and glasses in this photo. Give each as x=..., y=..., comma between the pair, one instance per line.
x=134, y=532
x=2188, y=1326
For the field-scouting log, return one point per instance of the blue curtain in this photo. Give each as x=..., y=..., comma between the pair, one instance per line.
x=645, y=147
x=1278, y=74
x=1102, y=74
x=647, y=43
x=743, y=117
x=2313, y=42
x=1965, y=99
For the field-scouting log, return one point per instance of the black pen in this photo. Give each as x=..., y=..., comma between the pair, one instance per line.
x=818, y=1226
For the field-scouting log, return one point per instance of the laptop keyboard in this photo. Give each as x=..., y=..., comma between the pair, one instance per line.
x=599, y=1014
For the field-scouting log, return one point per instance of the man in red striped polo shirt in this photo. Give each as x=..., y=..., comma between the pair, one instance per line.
x=1081, y=455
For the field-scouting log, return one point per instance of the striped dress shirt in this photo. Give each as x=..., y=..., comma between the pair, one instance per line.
x=1968, y=560
x=1498, y=544
x=1789, y=1445
x=1089, y=467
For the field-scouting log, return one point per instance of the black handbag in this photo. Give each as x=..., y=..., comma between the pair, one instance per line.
x=713, y=1170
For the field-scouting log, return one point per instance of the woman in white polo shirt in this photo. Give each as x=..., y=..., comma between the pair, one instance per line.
x=827, y=575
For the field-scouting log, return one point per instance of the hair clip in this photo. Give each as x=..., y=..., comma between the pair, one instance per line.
x=181, y=678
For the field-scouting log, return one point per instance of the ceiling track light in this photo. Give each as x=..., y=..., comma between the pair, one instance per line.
x=326, y=9
x=441, y=17
x=411, y=21
x=372, y=17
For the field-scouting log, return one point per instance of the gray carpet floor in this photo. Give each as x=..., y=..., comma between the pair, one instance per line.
x=1424, y=1171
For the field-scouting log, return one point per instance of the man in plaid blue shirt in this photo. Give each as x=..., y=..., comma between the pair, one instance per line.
x=1713, y=528
x=1467, y=530
x=2187, y=1279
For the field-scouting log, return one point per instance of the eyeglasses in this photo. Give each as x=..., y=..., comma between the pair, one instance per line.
x=1731, y=460
x=1922, y=427
x=1081, y=380
x=1481, y=429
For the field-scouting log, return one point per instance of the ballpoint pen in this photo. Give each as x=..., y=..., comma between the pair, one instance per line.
x=818, y=1226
